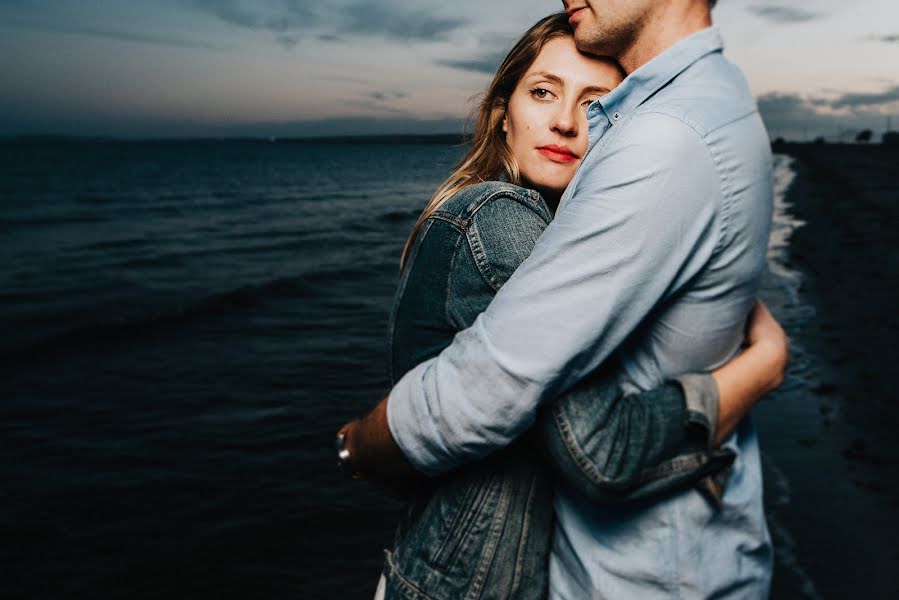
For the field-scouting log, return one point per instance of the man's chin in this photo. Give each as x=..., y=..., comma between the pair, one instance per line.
x=588, y=45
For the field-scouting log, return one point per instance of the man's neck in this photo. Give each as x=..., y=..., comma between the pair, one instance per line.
x=661, y=30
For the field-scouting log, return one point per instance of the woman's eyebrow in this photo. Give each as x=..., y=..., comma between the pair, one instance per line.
x=550, y=76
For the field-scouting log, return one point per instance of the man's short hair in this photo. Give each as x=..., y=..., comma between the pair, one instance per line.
x=712, y=3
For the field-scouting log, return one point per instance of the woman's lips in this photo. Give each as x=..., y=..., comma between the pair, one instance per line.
x=558, y=154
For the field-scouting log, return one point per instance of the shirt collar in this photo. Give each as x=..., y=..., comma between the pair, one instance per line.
x=655, y=74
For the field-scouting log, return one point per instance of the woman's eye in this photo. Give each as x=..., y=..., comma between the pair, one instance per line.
x=541, y=93
x=586, y=103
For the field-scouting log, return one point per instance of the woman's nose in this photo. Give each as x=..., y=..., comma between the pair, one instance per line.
x=565, y=121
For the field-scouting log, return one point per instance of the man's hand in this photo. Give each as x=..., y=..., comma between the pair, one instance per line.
x=375, y=455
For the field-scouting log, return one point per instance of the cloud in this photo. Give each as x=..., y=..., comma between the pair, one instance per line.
x=342, y=79
x=377, y=18
x=380, y=104
x=286, y=16
x=336, y=21
x=794, y=115
x=796, y=118
x=369, y=126
x=111, y=34
x=383, y=96
x=886, y=39
x=783, y=14
x=779, y=110
x=395, y=124
x=857, y=101
x=288, y=40
x=486, y=63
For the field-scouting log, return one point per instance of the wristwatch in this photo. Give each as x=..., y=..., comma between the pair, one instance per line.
x=344, y=458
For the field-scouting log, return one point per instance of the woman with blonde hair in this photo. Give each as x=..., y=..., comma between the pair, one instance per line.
x=485, y=530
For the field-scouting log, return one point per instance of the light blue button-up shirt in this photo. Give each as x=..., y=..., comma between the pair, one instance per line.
x=655, y=254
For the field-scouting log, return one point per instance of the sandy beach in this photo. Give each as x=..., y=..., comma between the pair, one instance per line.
x=829, y=434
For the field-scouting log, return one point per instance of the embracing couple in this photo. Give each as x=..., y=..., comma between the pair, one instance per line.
x=576, y=344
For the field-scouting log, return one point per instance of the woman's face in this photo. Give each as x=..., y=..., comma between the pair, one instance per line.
x=546, y=118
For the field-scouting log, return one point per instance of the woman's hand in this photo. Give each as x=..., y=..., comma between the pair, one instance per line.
x=757, y=371
x=374, y=455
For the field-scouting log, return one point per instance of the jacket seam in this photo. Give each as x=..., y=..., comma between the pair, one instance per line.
x=525, y=196
x=469, y=520
x=450, y=218
x=475, y=242
x=482, y=262
x=488, y=554
x=459, y=526
x=402, y=580
x=449, y=317
x=522, y=540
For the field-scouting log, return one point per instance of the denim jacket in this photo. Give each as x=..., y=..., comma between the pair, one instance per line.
x=484, y=531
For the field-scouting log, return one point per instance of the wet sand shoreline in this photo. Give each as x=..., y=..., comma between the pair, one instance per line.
x=829, y=435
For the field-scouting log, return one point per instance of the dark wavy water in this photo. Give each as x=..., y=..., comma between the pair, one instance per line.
x=186, y=324
x=184, y=327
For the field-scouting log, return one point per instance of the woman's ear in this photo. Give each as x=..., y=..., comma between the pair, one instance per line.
x=505, y=125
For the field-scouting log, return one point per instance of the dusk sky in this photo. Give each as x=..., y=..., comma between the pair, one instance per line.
x=304, y=68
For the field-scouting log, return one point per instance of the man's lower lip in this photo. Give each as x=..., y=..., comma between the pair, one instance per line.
x=557, y=156
x=573, y=16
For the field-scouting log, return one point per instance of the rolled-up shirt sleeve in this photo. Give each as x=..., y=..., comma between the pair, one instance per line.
x=637, y=225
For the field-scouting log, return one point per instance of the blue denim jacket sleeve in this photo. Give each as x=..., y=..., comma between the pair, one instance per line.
x=608, y=446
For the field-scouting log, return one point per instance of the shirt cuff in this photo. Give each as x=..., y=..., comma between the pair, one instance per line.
x=701, y=397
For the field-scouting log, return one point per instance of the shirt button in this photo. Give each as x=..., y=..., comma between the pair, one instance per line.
x=616, y=116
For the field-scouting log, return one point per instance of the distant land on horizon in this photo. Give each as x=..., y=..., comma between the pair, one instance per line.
x=399, y=138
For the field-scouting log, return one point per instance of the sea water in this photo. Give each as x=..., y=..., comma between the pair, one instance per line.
x=185, y=325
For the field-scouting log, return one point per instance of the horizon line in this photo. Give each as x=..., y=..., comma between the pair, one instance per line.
x=47, y=137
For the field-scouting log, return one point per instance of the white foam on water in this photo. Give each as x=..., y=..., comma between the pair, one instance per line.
x=792, y=313
x=783, y=226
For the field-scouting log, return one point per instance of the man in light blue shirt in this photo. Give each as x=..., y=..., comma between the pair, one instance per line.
x=655, y=254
